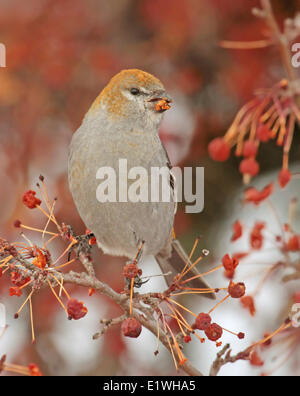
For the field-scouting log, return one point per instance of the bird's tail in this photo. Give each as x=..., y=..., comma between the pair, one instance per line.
x=175, y=264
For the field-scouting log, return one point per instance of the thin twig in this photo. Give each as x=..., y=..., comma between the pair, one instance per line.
x=221, y=360
x=280, y=38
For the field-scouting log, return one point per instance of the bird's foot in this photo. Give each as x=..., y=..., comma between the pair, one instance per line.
x=83, y=245
x=138, y=282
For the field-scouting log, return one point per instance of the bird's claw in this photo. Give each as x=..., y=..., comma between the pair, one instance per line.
x=82, y=245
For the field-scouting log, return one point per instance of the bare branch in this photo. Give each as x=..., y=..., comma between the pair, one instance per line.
x=141, y=313
x=221, y=361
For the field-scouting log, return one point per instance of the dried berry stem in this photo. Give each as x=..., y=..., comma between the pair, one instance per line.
x=280, y=39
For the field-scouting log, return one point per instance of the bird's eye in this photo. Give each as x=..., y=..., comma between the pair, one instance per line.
x=134, y=91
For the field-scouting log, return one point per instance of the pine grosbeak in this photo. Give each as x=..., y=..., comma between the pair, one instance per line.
x=123, y=123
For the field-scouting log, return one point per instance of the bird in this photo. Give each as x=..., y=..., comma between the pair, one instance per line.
x=123, y=123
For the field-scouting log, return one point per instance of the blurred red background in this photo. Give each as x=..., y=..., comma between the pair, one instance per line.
x=60, y=54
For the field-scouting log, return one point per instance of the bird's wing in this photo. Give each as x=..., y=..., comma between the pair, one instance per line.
x=172, y=179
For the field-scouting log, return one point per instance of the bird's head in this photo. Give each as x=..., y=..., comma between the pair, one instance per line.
x=133, y=95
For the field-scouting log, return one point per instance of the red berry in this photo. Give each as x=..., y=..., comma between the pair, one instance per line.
x=130, y=271
x=255, y=360
x=17, y=223
x=214, y=332
x=263, y=133
x=30, y=200
x=256, y=236
x=18, y=279
x=284, y=177
x=202, y=321
x=219, y=150
x=250, y=149
x=249, y=166
x=229, y=263
x=34, y=370
x=15, y=291
x=293, y=244
x=256, y=197
x=248, y=303
x=131, y=327
x=237, y=231
x=236, y=290
x=76, y=309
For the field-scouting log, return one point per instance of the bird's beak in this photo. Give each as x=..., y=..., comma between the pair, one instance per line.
x=162, y=102
x=163, y=96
